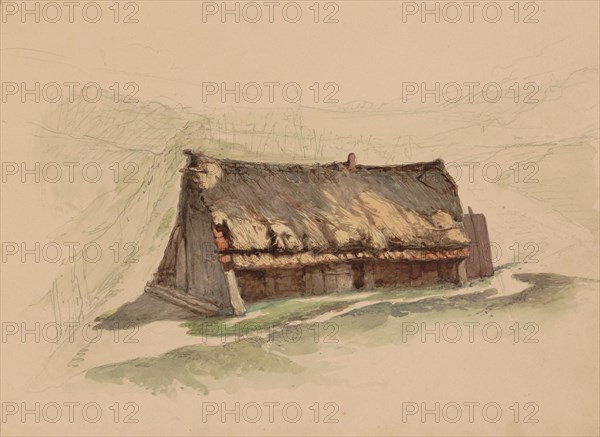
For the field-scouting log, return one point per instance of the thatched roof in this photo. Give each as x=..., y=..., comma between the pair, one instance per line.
x=331, y=208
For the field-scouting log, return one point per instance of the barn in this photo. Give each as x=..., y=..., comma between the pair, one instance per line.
x=247, y=231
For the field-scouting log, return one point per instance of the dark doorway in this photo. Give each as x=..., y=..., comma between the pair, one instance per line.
x=358, y=275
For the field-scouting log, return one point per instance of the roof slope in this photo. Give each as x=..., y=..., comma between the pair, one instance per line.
x=286, y=208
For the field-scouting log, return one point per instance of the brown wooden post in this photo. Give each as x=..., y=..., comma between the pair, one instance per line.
x=479, y=264
x=462, y=272
x=486, y=267
x=235, y=297
x=473, y=264
x=181, y=266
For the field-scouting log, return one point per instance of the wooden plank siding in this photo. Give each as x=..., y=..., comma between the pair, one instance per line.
x=257, y=284
x=479, y=263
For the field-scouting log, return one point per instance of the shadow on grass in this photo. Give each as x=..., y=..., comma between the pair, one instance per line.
x=145, y=309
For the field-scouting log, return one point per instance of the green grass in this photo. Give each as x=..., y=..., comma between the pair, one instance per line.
x=276, y=313
x=165, y=222
x=105, y=315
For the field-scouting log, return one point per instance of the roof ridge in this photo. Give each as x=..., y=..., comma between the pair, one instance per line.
x=196, y=157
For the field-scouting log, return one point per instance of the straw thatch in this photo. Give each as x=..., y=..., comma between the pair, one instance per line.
x=292, y=209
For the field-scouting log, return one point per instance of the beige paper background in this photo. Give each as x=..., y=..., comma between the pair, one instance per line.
x=369, y=54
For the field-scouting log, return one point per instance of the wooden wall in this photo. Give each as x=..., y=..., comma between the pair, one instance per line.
x=204, y=274
x=393, y=273
x=316, y=280
x=479, y=264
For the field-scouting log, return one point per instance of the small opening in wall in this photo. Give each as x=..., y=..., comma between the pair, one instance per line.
x=358, y=275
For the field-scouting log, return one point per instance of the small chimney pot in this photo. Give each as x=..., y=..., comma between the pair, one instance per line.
x=351, y=162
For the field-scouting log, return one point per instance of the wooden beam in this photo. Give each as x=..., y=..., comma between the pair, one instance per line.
x=181, y=266
x=235, y=298
x=268, y=260
x=462, y=272
x=194, y=304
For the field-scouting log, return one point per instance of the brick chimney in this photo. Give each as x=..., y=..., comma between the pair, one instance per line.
x=351, y=164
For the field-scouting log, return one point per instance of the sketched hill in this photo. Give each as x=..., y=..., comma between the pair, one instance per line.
x=130, y=219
